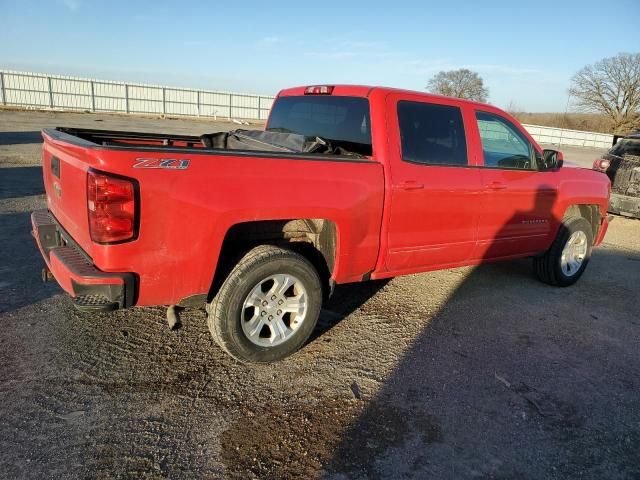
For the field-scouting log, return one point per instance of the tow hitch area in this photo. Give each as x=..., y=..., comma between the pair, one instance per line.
x=46, y=275
x=91, y=288
x=94, y=303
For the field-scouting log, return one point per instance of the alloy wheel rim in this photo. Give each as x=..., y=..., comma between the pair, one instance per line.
x=274, y=310
x=574, y=253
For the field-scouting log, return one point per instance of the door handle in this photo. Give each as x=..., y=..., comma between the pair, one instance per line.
x=409, y=185
x=497, y=186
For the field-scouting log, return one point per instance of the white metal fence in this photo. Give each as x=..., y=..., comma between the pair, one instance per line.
x=549, y=135
x=37, y=90
x=23, y=89
x=563, y=136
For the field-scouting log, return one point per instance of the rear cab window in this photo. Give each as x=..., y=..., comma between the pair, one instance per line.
x=432, y=134
x=343, y=121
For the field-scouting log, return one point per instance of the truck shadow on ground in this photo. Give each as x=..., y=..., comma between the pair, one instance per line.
x=345, y=300
x=20, y=138
x=21, y=182
x=509, y=378
x=20, y=269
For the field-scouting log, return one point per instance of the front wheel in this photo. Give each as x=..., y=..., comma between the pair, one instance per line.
x=565, y=261
x=267, y=307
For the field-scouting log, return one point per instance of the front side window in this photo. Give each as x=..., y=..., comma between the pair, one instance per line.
x=503, y=145
x=432, y=134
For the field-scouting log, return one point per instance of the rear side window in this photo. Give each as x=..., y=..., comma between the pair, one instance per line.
x=344, y=121
x=432, y=134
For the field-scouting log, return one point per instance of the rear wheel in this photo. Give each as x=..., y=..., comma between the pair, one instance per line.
x=567, y=258
x=267, y=307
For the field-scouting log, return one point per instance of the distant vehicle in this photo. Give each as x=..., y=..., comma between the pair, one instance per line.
x=347, y=184
x=622, y=165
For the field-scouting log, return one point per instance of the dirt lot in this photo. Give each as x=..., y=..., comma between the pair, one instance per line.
x=467, y=373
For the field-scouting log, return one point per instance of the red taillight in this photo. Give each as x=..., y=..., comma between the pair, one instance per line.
x=319, y=90
x=112, y=207
x=601, y=164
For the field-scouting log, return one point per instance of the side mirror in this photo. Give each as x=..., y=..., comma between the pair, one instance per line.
x=552, y=159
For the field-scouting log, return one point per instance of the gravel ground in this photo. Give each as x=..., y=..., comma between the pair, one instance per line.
x=467, y=373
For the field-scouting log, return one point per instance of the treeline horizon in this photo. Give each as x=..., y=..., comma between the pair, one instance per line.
x=589, y=122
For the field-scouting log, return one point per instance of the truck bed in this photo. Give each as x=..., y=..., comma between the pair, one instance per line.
x=190, y=196
x=114, y=138
x=172, y=143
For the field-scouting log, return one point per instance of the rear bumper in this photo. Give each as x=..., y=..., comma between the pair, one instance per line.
x=91, y=289
x=624, y=205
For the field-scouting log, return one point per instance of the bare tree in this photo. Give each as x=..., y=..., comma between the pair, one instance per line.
x=460, y=83
x=514, y=109
x=611, y=87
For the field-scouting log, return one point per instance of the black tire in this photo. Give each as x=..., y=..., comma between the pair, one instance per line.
x=548, y=266
x=225, y=311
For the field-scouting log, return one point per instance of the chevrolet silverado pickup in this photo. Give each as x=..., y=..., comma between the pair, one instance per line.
x=345, y=184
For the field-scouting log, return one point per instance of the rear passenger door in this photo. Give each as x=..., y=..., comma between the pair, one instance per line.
x=434, y=206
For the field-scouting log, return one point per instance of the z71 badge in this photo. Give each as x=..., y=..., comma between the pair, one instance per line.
x=167, y=163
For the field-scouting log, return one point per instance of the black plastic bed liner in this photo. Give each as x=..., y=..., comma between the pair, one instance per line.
x=240, y=140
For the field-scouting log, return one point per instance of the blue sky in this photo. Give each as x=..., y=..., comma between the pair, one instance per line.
x=526, y=52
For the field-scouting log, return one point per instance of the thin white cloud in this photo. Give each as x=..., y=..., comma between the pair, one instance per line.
x=360, y=44
x=504, y=69
x=335, y=55
x=379, y=54
x=72, y=5
x=269, y=41
x=428, y=66
x=194, y=43
x=384, y=55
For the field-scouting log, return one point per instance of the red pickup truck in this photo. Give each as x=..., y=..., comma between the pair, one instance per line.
x=407, y=182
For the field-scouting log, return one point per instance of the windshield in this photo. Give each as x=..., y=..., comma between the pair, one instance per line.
x=626, y=146
x=344, y=121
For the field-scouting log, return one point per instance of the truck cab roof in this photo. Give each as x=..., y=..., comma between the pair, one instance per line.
x=367, y=91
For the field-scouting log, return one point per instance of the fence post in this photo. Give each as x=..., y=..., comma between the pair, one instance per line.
x=126, y=98
x=2, y=90
x=50, y=92
x=198, y=102
x=93, y=97
x=230, y=105
x=259, y=107
x=164, y=104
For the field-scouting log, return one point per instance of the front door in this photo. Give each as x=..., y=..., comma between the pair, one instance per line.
x=435, y=189
x=517, y=198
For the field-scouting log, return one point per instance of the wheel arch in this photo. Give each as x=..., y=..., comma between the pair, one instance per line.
x=314, y=238
x=590, y=212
